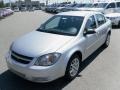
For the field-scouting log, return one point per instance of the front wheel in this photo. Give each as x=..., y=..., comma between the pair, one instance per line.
x=73, y=67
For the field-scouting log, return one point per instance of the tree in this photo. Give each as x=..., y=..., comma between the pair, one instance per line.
x=1, y=4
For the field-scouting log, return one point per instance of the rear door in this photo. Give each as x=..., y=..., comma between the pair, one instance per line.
x=102, y=28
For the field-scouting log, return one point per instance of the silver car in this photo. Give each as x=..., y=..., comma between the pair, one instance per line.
x=58, y=47
x=105, y=6
x=115, y=18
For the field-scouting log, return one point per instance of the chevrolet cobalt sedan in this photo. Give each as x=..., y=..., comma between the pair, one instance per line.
x=58, y=46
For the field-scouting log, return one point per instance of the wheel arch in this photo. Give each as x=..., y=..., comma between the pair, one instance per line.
x=78, y=52
x=109, y=32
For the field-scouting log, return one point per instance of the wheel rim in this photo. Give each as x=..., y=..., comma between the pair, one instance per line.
x=108, y=40
x=74, y=67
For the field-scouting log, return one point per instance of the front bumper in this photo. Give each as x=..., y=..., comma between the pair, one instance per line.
x=35, y=73
x=115, y=21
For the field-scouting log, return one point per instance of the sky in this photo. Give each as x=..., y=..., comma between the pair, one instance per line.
x=53, y=1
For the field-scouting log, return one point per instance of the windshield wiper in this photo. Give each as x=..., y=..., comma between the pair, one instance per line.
x=54, y=31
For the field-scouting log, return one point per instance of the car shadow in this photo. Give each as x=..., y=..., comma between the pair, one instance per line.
x=9, y=81
x=115, y=27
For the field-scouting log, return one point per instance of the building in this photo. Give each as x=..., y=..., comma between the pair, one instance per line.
x=1, y=4
x=28, y=4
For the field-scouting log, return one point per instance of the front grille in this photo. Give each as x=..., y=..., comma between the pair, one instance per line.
x=21, y=58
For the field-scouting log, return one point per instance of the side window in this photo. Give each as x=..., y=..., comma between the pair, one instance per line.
x=118, y=4
x=111, y=5
x=100, y=19
x=91, y=23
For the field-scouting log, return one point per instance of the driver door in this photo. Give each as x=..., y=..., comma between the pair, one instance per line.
x=91, y=39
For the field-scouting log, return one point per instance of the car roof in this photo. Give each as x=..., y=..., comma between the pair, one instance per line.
x=79, y=13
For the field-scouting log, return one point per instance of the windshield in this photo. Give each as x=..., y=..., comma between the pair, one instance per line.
x=99, y=5
x=63, y=25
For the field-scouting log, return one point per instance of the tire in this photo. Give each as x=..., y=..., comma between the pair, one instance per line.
x=118, y=24
x=107, y=41
x=73, y=67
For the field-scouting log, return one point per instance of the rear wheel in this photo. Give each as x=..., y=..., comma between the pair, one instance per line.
x=73, y=67
x=107, y=41
x=119, y=24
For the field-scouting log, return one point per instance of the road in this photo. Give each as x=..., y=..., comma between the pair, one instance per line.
x=101, y=71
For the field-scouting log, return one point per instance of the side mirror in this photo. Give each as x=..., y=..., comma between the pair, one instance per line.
x=89, y=31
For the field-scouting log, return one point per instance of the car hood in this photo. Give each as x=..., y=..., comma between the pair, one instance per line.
x=37, y=43
x=113, y=15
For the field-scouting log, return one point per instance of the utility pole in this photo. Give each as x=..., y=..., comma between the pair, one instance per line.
x=1, y=3
x=46, y=2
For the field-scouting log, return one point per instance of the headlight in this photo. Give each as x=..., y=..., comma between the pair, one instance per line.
x=47, y=60
x=10, y=47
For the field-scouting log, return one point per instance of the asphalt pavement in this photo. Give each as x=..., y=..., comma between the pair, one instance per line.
x=100, y=71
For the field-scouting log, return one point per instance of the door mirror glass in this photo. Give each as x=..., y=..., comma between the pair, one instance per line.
x=89, y=31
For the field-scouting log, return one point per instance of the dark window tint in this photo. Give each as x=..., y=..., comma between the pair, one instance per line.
x=100, y=5
x=91, y=23
x=64, y=25
x=111, y=5
x=118, y=4
x=100, y=19
x=94, y=5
